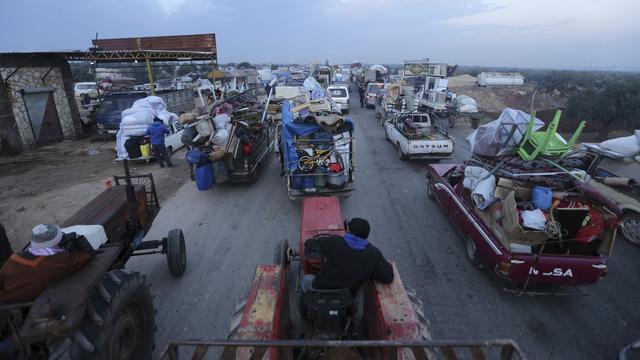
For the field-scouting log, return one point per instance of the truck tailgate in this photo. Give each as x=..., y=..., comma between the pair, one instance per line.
x=557, y=269
x=430, y=146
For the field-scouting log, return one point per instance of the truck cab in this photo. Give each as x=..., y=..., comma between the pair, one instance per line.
x=109, y=113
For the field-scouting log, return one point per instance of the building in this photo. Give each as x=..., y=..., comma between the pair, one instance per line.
x=37, y=104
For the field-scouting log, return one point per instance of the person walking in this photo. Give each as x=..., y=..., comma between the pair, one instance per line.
x=361, y=93
x=157, y=130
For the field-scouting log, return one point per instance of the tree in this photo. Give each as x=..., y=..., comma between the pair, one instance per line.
x=185, y=69
x=245, y=65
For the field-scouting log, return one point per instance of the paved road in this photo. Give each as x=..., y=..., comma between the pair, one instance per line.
x=232, y=228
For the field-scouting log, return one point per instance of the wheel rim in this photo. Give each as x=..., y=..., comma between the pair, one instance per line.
x=471, y=248
x=125, y=334
x=631, y=228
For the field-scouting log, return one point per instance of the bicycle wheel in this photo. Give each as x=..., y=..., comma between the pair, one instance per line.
x=306, y=163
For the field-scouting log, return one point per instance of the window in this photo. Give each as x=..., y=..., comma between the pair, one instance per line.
x=338, y=92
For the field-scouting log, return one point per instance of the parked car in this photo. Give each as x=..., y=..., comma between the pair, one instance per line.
x=371, y=93
x=627, y=196
x=489, y=237
x=418, y=136
x=340, y=95
x=82, y=88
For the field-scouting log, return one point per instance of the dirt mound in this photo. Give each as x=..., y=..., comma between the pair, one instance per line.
x=495, y=99
x=462, y=80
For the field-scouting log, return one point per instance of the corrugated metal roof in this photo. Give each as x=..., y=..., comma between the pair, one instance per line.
x=200, y=42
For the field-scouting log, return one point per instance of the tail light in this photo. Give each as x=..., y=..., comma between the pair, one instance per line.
x=247, y=149
x=504, y=267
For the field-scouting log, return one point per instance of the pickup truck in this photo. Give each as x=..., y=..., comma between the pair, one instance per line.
x=418, y=136
x=108, y=115
x=489, y=245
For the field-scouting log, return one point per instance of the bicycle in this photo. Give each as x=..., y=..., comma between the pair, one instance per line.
x=322, y=158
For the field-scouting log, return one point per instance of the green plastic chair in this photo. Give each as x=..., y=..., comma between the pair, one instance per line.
x=548, y=142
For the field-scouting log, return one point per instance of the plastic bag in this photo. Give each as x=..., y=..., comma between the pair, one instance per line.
x=221, y=137
x=534, y=219
x=221, y=121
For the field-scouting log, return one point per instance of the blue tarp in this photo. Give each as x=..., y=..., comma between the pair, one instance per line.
x=291, y=128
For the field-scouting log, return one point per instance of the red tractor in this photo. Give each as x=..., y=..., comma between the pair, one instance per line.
x=387, y=322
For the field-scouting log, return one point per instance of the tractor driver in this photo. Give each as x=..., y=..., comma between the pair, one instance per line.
x=51, y=256
x=349, y=260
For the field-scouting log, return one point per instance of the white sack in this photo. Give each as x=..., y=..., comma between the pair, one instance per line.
x=534, y=219
x=221, y=137
x=221, y=121
x=626, y=145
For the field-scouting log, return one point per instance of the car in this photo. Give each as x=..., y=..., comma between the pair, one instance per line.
x=371, y=94
x=340, y=95
x=627, y=197
x=495, y=240
x=82, y=88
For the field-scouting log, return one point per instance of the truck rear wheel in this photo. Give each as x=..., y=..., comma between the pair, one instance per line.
x=118, y=324
x=281, y=253
x=630, y=226
x=401, y=155
x=472, y=251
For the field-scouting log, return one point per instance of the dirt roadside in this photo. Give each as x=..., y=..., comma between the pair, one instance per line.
x=50, y=183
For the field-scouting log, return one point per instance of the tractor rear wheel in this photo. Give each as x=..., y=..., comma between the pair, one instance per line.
x=176, y=253
x=118, y=324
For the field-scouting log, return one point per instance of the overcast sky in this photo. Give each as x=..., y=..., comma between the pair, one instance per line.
x=521, y=33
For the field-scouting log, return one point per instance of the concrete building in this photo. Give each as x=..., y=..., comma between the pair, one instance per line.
x=37, y=104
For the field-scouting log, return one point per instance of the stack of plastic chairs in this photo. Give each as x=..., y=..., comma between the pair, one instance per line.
x=548, y=142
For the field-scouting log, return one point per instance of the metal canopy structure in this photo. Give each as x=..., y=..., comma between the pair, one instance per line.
x=154, y=49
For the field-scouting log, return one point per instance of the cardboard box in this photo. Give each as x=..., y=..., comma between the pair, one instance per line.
x=511, y=223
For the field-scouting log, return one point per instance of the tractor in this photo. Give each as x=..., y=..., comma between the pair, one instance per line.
x=275, y=322
x=101, y=311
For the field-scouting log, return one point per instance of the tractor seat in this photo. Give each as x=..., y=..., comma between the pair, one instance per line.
x=328, y=311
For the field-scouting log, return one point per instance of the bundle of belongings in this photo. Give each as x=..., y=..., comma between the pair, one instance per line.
x=538, y=208
x=51, y=256
x=503, y=135
x=226, y=141
x=136, y=121
x=316, y=142
x=626, y=148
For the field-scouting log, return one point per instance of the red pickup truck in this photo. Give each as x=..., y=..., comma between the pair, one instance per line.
x=488, y=247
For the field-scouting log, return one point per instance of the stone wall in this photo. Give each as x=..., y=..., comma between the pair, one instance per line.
x=31, y=77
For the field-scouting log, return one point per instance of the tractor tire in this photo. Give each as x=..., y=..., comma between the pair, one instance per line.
x=119, y=322
x=176, y=253
x=280, y=254
x=418, y=306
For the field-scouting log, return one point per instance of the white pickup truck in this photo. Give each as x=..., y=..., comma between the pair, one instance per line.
x=419, y=136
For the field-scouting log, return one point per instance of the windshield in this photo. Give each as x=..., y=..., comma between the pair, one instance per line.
x=85, y=86
x=338, y=92
x=115, y=105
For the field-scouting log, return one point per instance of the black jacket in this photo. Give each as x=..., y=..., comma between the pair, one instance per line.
x=344, y=267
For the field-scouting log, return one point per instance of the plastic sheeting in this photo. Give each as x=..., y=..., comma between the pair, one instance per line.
x=503, y=135
x=137, y=118
x=311, y=85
